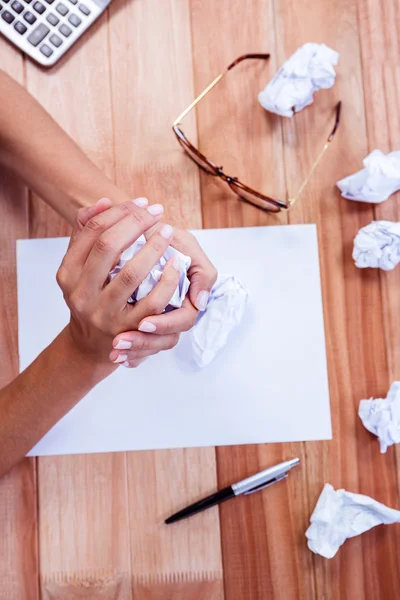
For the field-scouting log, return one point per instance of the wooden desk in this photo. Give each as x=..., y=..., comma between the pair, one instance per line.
x=82, y=526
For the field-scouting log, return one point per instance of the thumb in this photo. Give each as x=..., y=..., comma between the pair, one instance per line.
x=202, y=275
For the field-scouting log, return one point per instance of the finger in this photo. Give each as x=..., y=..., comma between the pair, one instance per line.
x=132, y=364
x=122, y=286
x=202, y=279
x=133, y=345
x=172, y=322
x=108, y=247
x=84, y=214
x=156, y=302
x=152, y=230
x=202, y=273
x=140, y=218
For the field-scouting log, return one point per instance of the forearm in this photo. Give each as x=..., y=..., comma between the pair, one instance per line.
x=32, y=403
x=36, y=149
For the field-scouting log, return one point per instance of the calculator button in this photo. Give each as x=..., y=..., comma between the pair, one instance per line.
x=39, y=8
x=29, y=18
x=74, y=20
x=84, y=9
x=38, y=34
x=20, y=27
x=62, y=9
x=49, y=1
x=46, y=50
x=55, y=40
x=74, y=1
x=7, y=16
x=5, y=1
x=17, y=7
x=52, y=19
x=65, y=30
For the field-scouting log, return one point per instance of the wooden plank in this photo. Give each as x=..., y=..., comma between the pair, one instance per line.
x=18, y=506
x=261, y=552
x=352, y=299
x=380, y=41
x=84, y=538
x=152, y=82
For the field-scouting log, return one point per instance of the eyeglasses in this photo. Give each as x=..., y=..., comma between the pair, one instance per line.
x=243, y=191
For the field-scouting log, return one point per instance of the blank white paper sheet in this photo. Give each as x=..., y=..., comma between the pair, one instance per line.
x=269, y=384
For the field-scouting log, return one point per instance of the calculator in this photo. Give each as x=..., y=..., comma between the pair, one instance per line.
x=45, y=29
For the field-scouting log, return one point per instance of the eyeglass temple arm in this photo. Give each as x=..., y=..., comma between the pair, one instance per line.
x=216, y=80
x=320, y=155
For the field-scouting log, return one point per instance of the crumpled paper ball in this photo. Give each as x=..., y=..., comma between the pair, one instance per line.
x=225, y=310
x=377, y=245
x=309, y=69
x=376, y=182
x=155, y=274
x=382, y=417
x=340, y=515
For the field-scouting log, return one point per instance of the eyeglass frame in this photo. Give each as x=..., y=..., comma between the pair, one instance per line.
x=234, y=182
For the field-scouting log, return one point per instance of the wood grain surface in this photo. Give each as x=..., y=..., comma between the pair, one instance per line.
x=82, y=526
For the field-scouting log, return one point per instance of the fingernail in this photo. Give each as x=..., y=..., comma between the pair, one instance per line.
x=166, y=231
x=147, y=327
x=202, y=300
x=123, y=345
x=125, y=364
x=156, y=209
x=121, y=358
x=141, y=202
x=176, y=263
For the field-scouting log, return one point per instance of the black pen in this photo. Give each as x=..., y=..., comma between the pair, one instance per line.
x=252, y=484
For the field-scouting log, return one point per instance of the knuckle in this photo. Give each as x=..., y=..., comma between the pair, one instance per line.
x=104, y=244
x=94, y=225
x=153, y=305
x=125, y=209
x=140, y=343
x=157, y=244
x=173, y=341
x=139, y=218
x=129, y=277
x=77, y=302
x=61, y=277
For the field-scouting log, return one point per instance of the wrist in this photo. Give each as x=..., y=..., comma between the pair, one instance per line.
x=77, y=358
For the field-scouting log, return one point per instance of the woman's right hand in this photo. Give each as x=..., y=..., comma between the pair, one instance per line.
x=99, y=308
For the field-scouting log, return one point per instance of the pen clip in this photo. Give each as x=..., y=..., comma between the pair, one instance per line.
x=265, y=485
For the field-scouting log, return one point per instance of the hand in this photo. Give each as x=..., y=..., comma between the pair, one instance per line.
x=99, y=309
x=161, y=332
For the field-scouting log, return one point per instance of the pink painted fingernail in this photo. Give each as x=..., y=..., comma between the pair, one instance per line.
x=156, y=209
x=123, y=345
x=141, y=202
x=121, y=358
x=202, y=300
x=147, y=327
x=176, y=263
x=166, y=231
x=125, y=364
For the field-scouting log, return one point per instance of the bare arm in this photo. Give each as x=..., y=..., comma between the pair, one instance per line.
x=36, y=149
x=78, y=358
x=32, y=403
